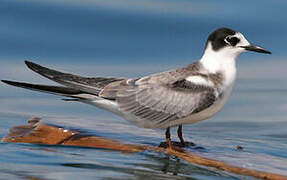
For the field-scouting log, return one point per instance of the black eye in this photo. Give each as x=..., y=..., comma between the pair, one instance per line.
x=232, y=40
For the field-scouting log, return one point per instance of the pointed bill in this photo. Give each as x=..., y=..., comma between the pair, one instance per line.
x=255, y=48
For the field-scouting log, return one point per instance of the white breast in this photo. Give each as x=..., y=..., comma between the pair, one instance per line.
x=214, y=62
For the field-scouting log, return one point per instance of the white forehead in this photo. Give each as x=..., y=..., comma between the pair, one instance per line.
x=243, y=41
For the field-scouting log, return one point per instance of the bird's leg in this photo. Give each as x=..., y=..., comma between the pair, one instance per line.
x=179, y=133
x=168, y=140
x=171, y=147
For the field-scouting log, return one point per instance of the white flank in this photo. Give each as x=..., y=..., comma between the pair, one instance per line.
x=106, y=104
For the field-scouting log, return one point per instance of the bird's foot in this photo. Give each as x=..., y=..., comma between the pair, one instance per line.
x=176, y=144
x=186, y=144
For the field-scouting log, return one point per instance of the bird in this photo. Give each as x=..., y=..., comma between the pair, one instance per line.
x=163, y=100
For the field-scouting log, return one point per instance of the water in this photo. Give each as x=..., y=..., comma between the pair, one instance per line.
x=132, y=39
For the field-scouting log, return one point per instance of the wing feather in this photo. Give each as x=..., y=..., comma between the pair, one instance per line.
x=161, y=98
x=91, y=85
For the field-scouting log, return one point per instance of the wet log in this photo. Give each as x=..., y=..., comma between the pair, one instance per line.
x=37, y=132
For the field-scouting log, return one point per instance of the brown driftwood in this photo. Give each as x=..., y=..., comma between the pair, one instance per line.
x=37, y=132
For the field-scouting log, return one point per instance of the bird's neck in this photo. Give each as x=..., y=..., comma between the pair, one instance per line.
x=221, y=61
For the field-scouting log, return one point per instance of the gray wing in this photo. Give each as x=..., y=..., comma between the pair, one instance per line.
x=162, y=98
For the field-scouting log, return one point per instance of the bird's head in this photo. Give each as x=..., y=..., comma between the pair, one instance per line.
x=229, y=43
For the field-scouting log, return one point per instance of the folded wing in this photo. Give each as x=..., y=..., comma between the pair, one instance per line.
x=162, y=98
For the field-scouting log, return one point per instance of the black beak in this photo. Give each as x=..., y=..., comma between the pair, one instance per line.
x=256, y=48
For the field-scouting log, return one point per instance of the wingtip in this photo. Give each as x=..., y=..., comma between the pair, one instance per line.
x=4, y=81
x=8, y=82
x=13, y=83
x=28, y=62
x=32, y=66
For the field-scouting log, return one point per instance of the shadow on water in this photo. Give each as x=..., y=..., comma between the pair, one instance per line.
x=156, y=166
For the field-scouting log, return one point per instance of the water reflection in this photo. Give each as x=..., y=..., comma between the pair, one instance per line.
x=155, y=166
x=10, y=174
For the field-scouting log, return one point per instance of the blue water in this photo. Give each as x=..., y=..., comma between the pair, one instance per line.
x=131, y=39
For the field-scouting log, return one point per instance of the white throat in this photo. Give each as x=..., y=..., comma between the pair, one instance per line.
x=223, y=61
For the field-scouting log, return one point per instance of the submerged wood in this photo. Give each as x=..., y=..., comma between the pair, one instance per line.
x=37, y=132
